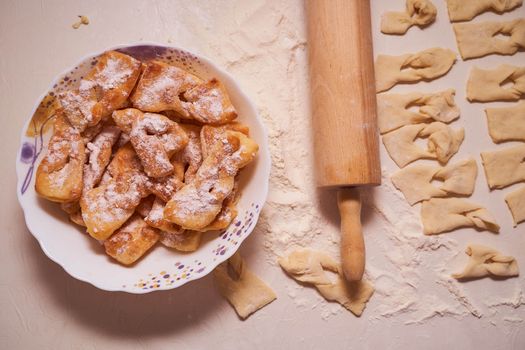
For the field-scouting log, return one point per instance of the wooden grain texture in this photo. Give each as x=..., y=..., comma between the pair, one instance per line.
x=352, y=242
x=343, y=93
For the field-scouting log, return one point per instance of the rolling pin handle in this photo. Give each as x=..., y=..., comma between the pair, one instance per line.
x=352, y=241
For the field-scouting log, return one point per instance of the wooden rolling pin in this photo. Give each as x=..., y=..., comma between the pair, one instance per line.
x=343, y=98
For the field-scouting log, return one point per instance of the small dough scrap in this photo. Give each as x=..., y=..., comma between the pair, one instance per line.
x=479, y=39
x=313, y=267
x=418, y=12
x=465, y=10
x=393, y=109
x=504, y=167
x=487, y=85
x=485, y=261
x=516, y=203
x=443, y=143
x=246, y=292
x=410, y=68
x=507, y=123
x=446, y=214
x=415, y=181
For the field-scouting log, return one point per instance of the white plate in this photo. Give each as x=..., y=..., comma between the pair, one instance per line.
x=80, y=255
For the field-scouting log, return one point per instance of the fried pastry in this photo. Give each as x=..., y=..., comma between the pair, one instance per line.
x=161, y=87
x=59, y=175
x=168, y=88
x=104, y=89
x=106, y=207
x=100, y=151
x=197, y=204
x=155, y=139
x=191, y=156
x=131, y=241
x=185, y=241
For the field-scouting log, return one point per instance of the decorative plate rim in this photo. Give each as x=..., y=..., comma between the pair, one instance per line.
x=212, y=264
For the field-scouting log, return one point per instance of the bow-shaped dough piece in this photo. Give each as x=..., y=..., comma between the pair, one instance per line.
x=479, y=39
x=393, y=110
x=59, y=175
x=156, y=138
x=443, y=142
x=486, y=85
x=504, y=167
x=314, y=267
x=516, y=202
x=418, y=12
x=446, y=214
x=245, y=291
x=507, y=123
x=415, y=182
x=425, y=65
x=465, y=10
x=485, y=261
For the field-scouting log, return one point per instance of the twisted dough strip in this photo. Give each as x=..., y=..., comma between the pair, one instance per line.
x=486, y=85
x=415, y=182
x=485, y=261
x=479, y=39
x=465, y=10
x=393, y=109
x=155, y=139
x=446, y=214
x=443, y=143
x=425, y=65
x=104, y=89
x=59, y=175
x=418, y=12
x=311, y=267
x=197, y=204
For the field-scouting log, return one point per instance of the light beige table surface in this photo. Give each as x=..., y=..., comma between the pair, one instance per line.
x=42, y=307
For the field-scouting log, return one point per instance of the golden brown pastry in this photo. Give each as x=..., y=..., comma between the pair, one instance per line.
x=163, y=87
x=59, y=175
x=131, y=241
x=197, y=204
x=107, y=207
x=156, y=138
x=104, y=89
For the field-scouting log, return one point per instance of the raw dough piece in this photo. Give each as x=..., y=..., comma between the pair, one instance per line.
x=245, y=291
x=415, y=181
x=486, y=85
x=418, y=12
x=311, y=267
x=485, y=261
x=504, y=167
x=465, y=10
x=516, y=203
x=479, y=39
x=446, y=214
x=507, y=124
x=425, y=65
x=393, y=109
x=443, y=143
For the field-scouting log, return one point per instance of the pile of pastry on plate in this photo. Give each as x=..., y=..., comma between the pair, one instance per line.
x=143, y=152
